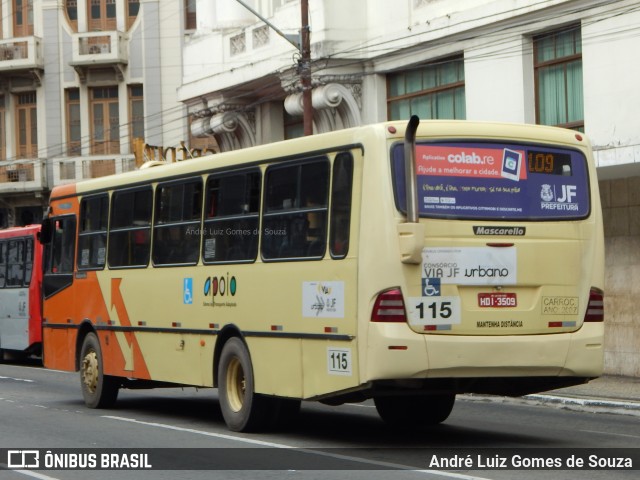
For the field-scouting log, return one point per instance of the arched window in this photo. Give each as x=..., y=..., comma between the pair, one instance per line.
x=71, y=9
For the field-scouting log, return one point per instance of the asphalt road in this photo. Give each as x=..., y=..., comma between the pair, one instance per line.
x=183, y=429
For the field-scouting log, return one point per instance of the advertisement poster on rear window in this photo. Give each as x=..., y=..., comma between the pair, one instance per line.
x=498, y=181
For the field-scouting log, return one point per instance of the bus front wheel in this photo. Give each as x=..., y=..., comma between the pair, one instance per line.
x=421, y=411
x=99, y=390
x=243, y=410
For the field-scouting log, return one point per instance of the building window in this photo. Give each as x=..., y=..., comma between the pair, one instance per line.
x=105, y=121
x=431, y=91
x=558, y=74
x=133, y=7
x=71, y=9
x=293, y=126
x=22, y=18
x=102, y=15
x=190, y=22
x=73, y=121
x=27, y=123
x=136, y=114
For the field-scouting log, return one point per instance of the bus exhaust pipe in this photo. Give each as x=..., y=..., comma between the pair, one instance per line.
x=411, y=233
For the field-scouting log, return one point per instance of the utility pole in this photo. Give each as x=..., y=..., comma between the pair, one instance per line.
x=304, y=64
x=305, y=69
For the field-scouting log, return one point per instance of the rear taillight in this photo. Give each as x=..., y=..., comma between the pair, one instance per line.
x=595, y=308
x=389, y=307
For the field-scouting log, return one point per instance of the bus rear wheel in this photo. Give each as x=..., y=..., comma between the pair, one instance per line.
x=99, y=390
x=243, y=410
x=415, y=410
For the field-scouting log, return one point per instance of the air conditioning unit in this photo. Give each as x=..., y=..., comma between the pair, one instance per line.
x=10, y=53
x=99, y=48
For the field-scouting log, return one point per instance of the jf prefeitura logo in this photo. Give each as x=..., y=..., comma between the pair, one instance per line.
x=561, y=197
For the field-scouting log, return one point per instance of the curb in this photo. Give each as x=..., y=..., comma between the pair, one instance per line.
x=630, y=405
x=593, y=405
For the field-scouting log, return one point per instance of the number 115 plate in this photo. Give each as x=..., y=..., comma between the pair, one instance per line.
x=433, y=310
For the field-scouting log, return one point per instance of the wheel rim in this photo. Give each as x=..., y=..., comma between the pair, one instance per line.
x=90, y=371
x=236, y=385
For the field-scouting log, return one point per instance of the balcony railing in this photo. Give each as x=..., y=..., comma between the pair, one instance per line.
x=22, y=176
x=99, y=49
x=75, y=169
x=24, y=53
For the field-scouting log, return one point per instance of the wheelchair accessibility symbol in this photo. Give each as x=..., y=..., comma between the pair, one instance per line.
x=187, y=291
x=430, y=287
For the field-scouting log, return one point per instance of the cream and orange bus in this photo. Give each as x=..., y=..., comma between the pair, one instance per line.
x=400, y=262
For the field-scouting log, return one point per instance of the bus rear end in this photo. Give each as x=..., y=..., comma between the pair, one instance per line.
x=499, y=281
x=20, y=299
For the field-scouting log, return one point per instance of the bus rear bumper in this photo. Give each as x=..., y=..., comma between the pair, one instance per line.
x=396, y=353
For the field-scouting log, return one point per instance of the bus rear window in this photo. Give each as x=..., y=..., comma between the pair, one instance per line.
x=498, y=181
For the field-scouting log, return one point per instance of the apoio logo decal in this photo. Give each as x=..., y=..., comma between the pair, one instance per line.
x=221, y=287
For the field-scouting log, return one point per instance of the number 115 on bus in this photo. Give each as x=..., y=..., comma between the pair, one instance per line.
x=433, y=310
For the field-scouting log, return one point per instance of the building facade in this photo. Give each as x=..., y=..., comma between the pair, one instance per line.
x=81, y=83
x=569, y=63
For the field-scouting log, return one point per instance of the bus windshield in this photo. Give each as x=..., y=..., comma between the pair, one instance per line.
x=498, y=181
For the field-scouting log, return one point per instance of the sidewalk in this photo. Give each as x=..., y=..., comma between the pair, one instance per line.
x=609, y=392
x=606, y=387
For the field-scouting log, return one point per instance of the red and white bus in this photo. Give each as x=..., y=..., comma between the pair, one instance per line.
x=20, y=291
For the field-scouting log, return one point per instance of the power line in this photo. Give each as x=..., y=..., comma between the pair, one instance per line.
x=518, y=28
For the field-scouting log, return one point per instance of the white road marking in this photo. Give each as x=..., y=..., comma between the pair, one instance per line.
x=306, y=450
x=17, y=379
x=29, y=473
x=611, y=433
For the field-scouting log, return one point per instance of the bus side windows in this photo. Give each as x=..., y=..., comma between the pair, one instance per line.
x=62, y=246
x=15, y=263
x=28, y=261
x=176, y=230
x=130, y=229
x=232, y=221
x=92, y=235
x=294, y=221
x=341, y=205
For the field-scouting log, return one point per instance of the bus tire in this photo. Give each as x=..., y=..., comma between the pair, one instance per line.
x=99, y=390
x=243, y=410
x=415, y=410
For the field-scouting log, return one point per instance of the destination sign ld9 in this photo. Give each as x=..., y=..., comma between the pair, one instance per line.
x=551, y=163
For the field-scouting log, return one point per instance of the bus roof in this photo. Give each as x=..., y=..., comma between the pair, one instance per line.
x=19, y=231
x=320, y=143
